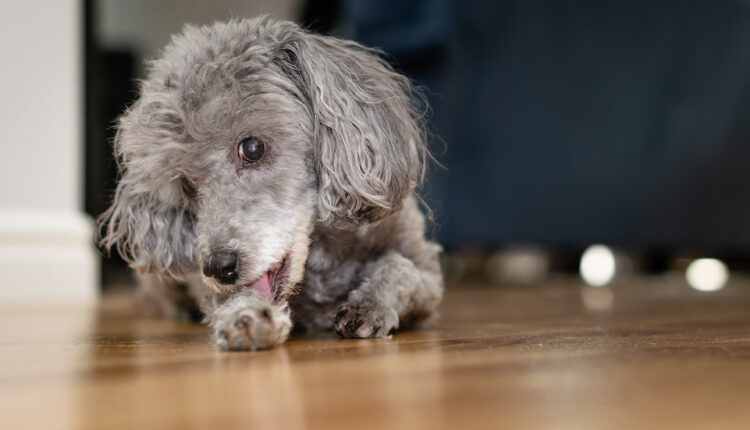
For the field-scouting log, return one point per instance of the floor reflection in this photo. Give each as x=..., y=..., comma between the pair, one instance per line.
x=597, y=299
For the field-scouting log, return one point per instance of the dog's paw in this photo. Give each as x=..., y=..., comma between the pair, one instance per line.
x=253, y=328
x=365, y=319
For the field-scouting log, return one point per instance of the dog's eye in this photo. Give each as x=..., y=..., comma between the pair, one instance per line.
x=188, y=188
x=251, y=149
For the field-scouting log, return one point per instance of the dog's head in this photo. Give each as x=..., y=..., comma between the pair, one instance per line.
x=244, y=136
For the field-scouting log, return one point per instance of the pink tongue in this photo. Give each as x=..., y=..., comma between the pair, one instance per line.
x=263, y=284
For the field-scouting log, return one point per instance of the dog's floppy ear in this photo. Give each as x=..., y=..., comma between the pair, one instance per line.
x=147, y=225
x=369, y=148
x=151, y=236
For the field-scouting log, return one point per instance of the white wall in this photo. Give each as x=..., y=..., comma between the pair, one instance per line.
x=40, y=107
x=46, y=252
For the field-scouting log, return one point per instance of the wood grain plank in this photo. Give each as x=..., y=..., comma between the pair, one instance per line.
x=660, y=356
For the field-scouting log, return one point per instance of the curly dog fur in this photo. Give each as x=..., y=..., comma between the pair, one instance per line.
x=323, y=231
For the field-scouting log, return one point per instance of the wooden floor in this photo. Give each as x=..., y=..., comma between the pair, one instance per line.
x=649, y=353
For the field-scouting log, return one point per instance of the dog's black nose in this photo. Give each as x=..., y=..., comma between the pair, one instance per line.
x=222, y=265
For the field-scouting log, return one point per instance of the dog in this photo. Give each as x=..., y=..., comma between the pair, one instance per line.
x=268, y=177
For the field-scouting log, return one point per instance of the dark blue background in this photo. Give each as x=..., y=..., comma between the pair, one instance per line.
x=567, y=123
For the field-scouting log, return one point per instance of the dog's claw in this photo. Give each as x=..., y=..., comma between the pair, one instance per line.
x=365, y=321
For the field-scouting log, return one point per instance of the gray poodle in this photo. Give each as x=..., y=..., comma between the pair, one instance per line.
x=268, y=176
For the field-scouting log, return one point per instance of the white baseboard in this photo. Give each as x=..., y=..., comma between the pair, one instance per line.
x=47, y=258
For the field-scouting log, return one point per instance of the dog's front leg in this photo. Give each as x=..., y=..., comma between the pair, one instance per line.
x=248, y=321
x=395, y=291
